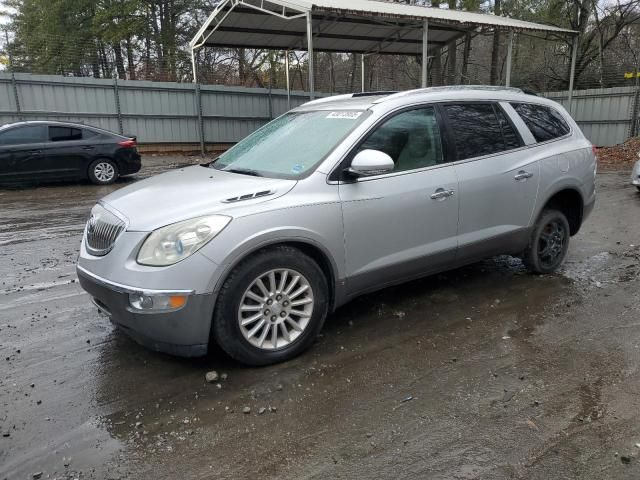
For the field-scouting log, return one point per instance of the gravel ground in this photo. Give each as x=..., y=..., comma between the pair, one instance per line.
x=484, y=372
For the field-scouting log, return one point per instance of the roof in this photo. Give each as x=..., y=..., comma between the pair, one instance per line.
x=433, y=94
x=359, y=26
x=56, y=123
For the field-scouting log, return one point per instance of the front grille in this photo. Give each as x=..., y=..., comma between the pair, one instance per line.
x=103, y=230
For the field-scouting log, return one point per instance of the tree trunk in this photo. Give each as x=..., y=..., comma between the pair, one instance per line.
x=452, y=60
x=117, y=50
x=495, y=50
x=465, y=59
x=354, y=70
x=95, y=63
x=130, y=63
x=242, y=66
x=436, y=68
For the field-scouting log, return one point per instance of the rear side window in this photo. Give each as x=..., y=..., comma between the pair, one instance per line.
x=480, y=129
x=544, y=122
x=24, y=135
x=64, y=134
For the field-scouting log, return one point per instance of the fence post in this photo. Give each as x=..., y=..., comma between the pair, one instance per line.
x=633, y=128
x=14, y=83
x=116, y=92
x=198, y=101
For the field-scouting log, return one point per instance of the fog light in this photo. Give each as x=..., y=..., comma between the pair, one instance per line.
x=156, y=303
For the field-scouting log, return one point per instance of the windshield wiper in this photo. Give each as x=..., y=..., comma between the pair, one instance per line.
x=244, y=171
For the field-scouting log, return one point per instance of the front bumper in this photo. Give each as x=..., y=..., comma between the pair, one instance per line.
x=635, y=174
x=183, y=332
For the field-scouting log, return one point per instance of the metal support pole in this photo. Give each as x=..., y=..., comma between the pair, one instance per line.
x=286, y=66
x=116, y=93
x=362, y=57
x=14, y=83
x=312, y=86
x=509, y=56
x=198, y=95
x=425, y=52
x=633, y=128
x=572, y=72
x=193, y=66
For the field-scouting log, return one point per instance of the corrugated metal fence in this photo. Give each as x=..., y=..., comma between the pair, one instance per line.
x=156, y=112
x=185, y=113
x=605, y=115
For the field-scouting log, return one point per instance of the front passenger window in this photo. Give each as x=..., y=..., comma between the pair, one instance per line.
x=411, y=139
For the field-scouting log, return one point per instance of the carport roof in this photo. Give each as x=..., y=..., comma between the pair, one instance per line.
x=357, y=26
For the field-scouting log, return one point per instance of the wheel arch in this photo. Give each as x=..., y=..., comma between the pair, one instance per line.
x=307, y=246
x=570, y=202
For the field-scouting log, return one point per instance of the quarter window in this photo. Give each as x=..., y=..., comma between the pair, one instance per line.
x=544, y=122
x=64, y=134
x=480, y=129
x=411, y=139
x=24, y=135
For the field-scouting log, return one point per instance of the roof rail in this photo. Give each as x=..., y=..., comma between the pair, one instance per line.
x=489, y=88
x=333, y=98
x=374, y=94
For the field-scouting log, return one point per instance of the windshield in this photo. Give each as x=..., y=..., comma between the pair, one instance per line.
x=291, y=145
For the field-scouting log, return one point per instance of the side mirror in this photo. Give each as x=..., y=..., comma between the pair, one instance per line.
x=371, y=162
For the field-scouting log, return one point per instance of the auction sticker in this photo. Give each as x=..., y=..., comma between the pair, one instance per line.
x=345, y=115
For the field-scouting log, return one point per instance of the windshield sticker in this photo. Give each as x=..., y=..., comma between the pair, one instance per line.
x=345, y=115
x=297, y=168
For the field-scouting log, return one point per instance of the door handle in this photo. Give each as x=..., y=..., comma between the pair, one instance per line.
x=88, y=147
x=522, y=175
x=35, y=152
x=442, y=194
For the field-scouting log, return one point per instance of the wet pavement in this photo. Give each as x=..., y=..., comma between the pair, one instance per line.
x=484, y=372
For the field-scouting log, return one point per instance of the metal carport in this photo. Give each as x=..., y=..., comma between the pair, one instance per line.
x=356, y=26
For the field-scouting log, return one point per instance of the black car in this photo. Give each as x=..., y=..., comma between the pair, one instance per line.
x=46, y=151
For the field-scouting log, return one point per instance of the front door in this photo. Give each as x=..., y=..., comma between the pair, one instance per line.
x=403, y=224
x=498, y=180
x=22, y=149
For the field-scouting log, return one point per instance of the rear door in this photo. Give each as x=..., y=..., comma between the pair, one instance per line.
x=21, y=150
x=498, y=180
x=67, y=153
x=402, y=224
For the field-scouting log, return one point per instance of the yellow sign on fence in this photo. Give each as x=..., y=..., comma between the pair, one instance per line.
x=631, y=74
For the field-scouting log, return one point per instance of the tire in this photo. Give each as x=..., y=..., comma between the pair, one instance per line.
x=279, y=315
x=103, y=171
x=638, y=187
x=541, y=256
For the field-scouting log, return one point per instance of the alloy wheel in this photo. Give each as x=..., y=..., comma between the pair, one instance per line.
x=104, y=171
x=552, y=242
x=276, y=309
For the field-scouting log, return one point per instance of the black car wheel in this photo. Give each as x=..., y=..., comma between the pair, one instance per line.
x=103, y=171
x=271, y=307
x=549, y=242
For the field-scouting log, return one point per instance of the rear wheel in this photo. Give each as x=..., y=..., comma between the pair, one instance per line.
x=271, y=307
x=549, y=242
x=103, y=171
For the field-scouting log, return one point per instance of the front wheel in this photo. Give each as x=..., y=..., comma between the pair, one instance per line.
x=549, y=242
x=271, y=307
x=103, y=171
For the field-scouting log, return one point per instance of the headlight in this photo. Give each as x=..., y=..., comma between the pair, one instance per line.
x=173, y=243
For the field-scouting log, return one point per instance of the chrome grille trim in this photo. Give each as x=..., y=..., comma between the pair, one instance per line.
x=102, y=231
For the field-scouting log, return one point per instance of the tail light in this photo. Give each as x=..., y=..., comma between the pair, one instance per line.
x=128, y=143
x=594, y=149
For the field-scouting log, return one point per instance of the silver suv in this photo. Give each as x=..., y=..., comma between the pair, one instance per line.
x=341, y=196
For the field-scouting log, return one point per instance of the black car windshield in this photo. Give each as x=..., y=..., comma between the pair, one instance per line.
x=291, y=146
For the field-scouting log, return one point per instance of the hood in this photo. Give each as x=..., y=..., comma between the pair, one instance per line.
x=188, y=193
